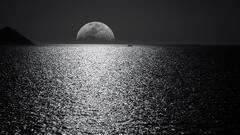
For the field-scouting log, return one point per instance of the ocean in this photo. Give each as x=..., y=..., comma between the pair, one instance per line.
x=119, y=89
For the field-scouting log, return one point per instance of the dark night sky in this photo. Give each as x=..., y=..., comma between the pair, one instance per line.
x=58, y=21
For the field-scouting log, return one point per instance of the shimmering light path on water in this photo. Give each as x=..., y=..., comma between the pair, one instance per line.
x=114, y=90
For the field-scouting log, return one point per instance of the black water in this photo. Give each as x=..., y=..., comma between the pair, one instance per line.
x=120, y=90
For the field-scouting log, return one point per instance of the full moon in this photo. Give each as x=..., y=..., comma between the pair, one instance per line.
x=95, y=32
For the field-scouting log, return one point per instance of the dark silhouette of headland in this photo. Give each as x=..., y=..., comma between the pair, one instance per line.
x=10, y=37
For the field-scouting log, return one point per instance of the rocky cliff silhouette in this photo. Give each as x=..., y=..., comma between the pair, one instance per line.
x=10, y=37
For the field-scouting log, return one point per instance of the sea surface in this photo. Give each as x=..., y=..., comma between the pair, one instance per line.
x=120, y=90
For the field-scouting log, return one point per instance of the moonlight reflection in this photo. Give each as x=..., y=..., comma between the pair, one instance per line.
x=114, y=90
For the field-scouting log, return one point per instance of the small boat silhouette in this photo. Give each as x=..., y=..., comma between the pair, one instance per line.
x=130, y=45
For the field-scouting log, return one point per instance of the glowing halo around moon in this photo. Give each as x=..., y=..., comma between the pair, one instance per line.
x=95, y=32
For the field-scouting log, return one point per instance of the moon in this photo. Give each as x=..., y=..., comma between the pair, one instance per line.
x=95, y=32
